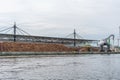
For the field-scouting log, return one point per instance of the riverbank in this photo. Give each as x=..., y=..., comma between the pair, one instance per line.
x=52, y=53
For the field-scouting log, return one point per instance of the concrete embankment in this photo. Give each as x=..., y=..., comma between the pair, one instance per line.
x=52, y=53
x=36, y=53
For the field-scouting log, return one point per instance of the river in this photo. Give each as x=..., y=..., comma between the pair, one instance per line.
x=62, y=67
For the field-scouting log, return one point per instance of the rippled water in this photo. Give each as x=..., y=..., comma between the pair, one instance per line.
x=70, y=67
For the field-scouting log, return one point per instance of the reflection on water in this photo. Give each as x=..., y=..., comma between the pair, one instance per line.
x=71, y=67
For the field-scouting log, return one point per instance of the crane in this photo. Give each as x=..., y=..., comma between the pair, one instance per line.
x=106, y=42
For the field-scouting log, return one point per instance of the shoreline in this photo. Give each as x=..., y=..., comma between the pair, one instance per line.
x=52, y=53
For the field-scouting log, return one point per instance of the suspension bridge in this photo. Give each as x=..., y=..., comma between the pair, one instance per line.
x=23, y=36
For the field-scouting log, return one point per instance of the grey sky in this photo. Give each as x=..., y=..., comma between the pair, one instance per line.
x=92, y=19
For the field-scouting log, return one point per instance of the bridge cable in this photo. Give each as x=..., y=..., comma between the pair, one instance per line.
x=6, y=29
x=23, y=31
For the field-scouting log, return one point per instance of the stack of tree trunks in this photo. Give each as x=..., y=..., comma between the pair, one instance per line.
x=88, y=49
x=41, y=47
x=33, y=47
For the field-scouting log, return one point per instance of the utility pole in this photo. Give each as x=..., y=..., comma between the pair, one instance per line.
x=14, y=27
x=74, y=38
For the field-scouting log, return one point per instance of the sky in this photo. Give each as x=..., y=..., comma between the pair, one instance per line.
x=92, y=19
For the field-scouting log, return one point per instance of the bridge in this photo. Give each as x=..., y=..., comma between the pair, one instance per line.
x=41, y=39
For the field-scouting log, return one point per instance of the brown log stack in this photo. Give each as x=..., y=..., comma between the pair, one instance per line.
x=32, y=47
x=39, y=47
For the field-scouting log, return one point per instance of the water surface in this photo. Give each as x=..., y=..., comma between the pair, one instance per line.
x=63, y=67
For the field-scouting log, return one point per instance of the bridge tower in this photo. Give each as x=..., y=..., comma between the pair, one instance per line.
x=14, y=27
x=74, y=38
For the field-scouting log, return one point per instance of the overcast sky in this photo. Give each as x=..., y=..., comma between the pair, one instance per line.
x=92, y=19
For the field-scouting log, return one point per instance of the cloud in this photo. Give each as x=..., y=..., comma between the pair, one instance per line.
x=92, y=19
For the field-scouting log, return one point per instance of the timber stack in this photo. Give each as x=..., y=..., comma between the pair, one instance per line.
x=40, y=47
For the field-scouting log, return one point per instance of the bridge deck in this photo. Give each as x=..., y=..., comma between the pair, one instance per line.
x=26, y=38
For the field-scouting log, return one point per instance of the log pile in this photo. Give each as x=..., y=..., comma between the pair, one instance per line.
x=88, y=49
x=40, y=47
x=33, y=47
x=95, y=49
